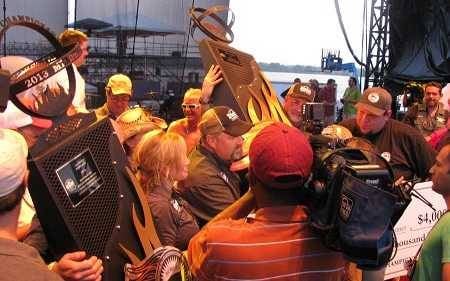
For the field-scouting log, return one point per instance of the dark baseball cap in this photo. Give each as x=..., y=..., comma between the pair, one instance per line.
x=223, y=119
x=376, y=100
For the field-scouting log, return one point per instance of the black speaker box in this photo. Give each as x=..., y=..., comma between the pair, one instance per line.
x=82, y=196
x=240, y=74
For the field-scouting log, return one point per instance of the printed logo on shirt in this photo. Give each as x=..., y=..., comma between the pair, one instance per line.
x=373, y=97
x=306, y=90
x=440, y=119
x=232, y=115
x=346, y=207
x=386, y=155
x=223, y=176
x=175, y=205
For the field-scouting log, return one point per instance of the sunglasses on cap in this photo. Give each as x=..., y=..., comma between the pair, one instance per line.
x=191, y=106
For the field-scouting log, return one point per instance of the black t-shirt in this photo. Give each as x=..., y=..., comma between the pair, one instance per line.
x=402, y=145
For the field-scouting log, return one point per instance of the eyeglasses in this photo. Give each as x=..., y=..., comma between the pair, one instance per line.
x=191, y=106
x=120, y=98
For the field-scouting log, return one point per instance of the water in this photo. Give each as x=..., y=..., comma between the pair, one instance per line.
x=283, y=80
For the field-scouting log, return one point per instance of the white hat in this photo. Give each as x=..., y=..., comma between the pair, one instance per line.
x=14, y=118
x=13, y=160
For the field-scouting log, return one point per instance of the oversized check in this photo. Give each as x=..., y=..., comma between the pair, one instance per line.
x=413, y=227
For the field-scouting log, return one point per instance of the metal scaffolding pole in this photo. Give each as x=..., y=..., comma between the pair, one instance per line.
x=377, y=52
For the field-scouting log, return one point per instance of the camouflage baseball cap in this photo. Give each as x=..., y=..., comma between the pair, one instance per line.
x=302, y=91
x=223, y=119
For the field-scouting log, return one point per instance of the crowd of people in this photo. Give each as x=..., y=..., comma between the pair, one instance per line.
x=232, y=226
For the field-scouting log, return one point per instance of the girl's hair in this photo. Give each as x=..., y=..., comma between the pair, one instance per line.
x=157, y=155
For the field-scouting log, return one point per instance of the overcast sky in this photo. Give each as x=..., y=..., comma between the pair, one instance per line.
x=295, y=31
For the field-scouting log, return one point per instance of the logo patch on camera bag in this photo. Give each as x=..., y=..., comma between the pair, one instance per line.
x=346, y=207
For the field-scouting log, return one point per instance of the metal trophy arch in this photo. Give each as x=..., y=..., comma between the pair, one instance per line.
x=45, y=104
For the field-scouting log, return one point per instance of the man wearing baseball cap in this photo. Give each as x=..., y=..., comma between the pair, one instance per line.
x=211, y=186
x=400, y=144
x=297, y=95
x=18, y=261
x=118, y=94
x=277, y=240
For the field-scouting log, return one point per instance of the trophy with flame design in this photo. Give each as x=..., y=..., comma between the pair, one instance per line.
x=244, y=88
x=84, y=195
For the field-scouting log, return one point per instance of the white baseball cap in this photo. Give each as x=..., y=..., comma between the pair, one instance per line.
x=13, y=117
x=13, y=160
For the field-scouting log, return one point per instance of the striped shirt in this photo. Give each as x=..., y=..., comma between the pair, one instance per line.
x=277, y=244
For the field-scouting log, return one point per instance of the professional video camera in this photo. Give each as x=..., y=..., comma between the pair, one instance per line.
x=412, y=93
x=354, y=203
x=313, y=114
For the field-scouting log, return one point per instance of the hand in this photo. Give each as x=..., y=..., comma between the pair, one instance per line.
x=401, y=180
x=212, y=78
x=75, y=267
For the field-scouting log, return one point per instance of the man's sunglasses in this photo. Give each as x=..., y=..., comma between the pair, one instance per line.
x=191, y=106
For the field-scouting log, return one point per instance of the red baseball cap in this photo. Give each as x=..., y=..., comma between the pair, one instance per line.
x=281, y=156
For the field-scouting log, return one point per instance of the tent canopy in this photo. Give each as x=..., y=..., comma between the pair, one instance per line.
x=89, y=24
x=125, y=23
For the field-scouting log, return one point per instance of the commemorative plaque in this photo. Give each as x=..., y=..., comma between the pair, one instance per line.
x=80, y=177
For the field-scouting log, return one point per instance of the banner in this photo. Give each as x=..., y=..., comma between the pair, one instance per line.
x=412, y=228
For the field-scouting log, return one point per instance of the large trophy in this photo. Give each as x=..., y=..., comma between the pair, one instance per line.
x=245, y=89
x=84, y=195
